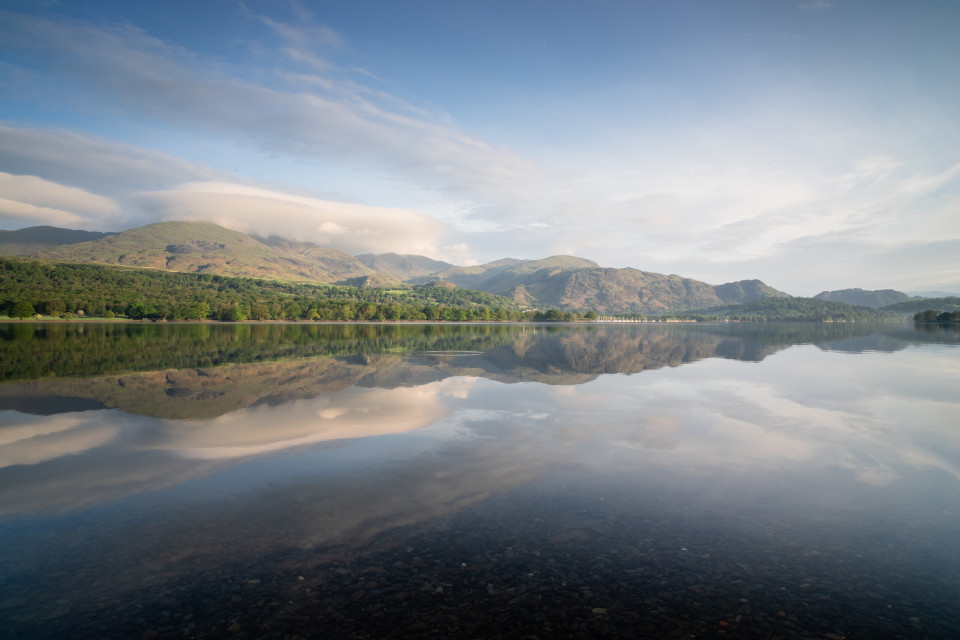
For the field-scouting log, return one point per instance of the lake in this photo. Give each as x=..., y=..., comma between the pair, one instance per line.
x=479, y=481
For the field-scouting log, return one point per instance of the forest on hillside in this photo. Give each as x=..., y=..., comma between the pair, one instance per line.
x=794, y=310
x=931, y=315
x=65, y=290
x=29, y=287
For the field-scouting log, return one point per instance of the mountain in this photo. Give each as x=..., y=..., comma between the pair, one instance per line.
x=634, y=291
x=743, y=291
x=202, y=247
x=873, y=299
x=402, y=267
x=471, y=277
x=339, y=264
x=562, y=282
x=933, y=294
x=568, y=282
x=24, y=242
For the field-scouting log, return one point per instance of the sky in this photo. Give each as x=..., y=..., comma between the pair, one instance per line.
x=813, y=144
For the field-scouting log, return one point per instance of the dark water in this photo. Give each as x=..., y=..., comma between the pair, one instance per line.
x=363, y=481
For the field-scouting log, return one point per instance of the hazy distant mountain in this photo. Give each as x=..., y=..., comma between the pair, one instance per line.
x=471, y=277
x=25, y=242
x=947, y=303
x=874, y=299
x=934, y=294
x=403, y=267
x=202, y=247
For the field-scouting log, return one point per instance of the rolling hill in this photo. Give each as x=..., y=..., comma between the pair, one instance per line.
x=874, y=299
x=949, y=303
x=799, y=309
x=201, y=247
x=25, y=242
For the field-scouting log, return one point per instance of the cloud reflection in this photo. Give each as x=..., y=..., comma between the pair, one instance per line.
x=352, y=413
x=346, y=450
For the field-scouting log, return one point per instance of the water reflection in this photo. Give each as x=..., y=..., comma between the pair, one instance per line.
x=62, y=367
x=812, y=410
x=734, y=447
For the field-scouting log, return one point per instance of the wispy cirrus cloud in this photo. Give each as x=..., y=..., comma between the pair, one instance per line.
x=100, y=166
x=332, y=120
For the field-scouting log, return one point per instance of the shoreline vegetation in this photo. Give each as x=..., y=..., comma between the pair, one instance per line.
x=284, y=351
x=85, y=319
x=931, y=316
x=35, y=290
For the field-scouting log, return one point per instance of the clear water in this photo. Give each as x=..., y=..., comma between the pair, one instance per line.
x=328, y=481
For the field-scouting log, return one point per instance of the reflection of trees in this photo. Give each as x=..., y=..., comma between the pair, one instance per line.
x=948, y=333
x=45, y=349
x=206, y=370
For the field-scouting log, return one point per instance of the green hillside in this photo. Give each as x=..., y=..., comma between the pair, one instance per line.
x=937, y=304
x=561, y=282
x=876, y=299
x=202, y=247
x=796, y=309
x=28, y=286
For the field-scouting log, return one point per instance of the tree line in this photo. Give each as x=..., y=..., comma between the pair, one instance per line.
x=29, y=287
x=931, y=315
x=790, y=310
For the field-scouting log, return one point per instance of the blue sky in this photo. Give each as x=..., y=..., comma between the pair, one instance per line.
x=811, y=144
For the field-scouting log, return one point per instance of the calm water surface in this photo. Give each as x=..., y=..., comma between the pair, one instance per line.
x=363, y=481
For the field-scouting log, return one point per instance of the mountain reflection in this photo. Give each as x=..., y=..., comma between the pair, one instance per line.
x=168, y=453
x=138, y=368
x=177, y=424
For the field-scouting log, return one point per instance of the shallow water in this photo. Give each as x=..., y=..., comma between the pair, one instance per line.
x=491, y=481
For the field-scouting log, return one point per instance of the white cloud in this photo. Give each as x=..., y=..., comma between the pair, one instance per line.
x=458, y=254
x=354, y=228
x=724, y=192
x=40, y=192
x=19, y=214
x=149, y=186
x=35, y=201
